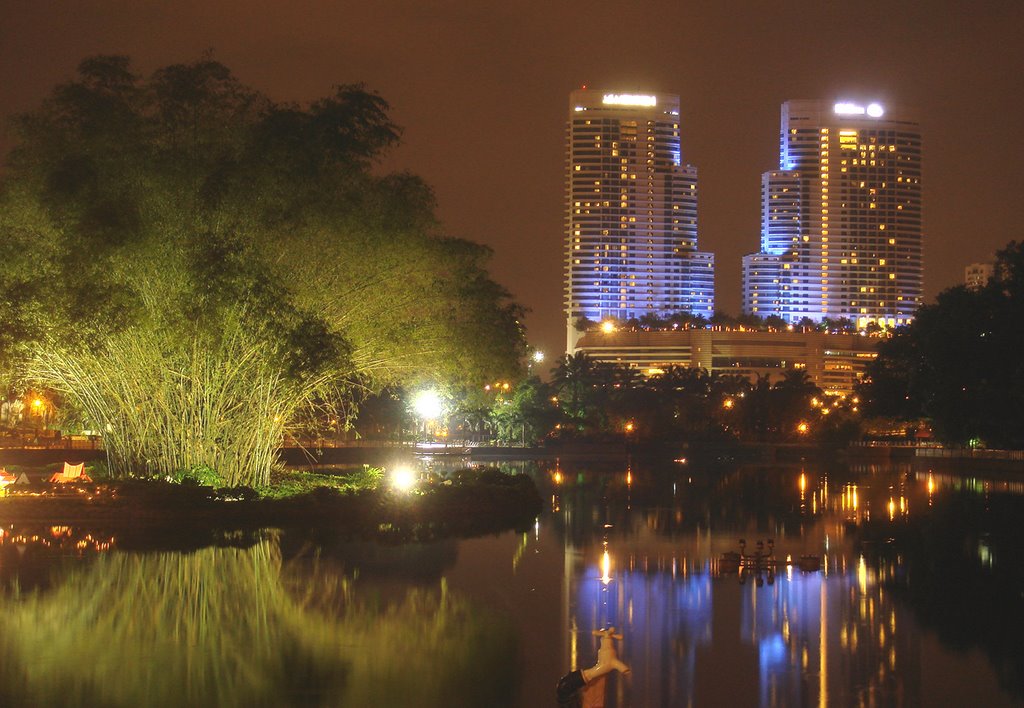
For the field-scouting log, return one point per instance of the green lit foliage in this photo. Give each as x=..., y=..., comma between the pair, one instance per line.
x=197, y=267
x=525, y=415
x=238, y=627
x=959, y=363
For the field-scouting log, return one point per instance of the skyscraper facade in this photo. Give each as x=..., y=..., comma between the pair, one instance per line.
x=841, y=219
x=631, y=218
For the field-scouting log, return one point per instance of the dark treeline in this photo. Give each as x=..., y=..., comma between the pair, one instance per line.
x=594, y=401
x=959, y=363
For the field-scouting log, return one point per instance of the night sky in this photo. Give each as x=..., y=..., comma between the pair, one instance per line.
x=481, y=90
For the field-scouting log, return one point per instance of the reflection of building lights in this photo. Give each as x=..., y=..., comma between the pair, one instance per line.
x=892, y=509
x=557, y=477
x=803, y=482
x=862, y=576
x=606, y=567
x=629, y=478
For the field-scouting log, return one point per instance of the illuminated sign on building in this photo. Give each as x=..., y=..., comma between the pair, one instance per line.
x=874, y=110
x=629, y=99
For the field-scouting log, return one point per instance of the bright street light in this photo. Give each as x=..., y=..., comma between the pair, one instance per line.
x=427, y=404
x=538, y=356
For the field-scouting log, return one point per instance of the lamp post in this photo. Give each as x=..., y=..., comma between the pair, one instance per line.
x=40, y=410
x=428, y=406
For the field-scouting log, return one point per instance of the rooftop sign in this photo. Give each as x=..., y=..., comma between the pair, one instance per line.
x=628, y=99
x=873, y=110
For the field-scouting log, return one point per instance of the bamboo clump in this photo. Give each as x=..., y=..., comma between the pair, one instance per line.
x=165, y=407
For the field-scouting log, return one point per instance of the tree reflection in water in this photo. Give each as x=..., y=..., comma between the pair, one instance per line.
x=220, y=627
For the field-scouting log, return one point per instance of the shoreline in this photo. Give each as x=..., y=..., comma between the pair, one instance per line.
x=491, y=504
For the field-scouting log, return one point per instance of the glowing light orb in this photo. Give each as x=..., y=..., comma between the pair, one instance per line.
x=403, y=479
x=427, y=404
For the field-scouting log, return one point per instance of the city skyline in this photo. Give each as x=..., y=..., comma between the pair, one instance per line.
x=484, y=118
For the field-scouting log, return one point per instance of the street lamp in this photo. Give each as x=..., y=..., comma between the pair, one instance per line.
x=39, y=410
x=428, y=406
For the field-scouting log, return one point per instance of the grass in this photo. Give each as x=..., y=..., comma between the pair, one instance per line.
x=294, y=483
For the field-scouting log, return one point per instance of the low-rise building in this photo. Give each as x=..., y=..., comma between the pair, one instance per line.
x=834, y=362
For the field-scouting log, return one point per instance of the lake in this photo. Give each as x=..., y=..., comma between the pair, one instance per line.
x=916, y=598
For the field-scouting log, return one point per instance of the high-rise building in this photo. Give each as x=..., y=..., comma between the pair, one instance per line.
x=977, y=275
x=631, y=217
x=841, y=219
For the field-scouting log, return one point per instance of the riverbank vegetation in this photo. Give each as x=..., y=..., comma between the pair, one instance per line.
x=195, y=268
x=958, y=364
x=589, y=400
x=364, y=501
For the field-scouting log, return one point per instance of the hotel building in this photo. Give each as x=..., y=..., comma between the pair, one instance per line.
x=841, y=219
x=631, y=216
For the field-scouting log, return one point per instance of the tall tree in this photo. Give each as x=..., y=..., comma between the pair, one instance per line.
x=959, y=362
x=195, y=263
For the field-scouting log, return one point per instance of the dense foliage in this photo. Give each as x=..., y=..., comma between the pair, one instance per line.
x=959, y=363
x=193, y=265
x=593, y=400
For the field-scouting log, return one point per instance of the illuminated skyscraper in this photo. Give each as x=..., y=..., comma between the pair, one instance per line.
x=841, y=220
x=631, y=219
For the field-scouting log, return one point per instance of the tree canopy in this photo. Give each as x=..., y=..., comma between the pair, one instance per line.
x=959, y=362
x=181, y=243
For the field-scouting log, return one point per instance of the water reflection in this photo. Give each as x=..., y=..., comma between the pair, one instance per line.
x=914, y=599
x=234, y=625
x=645, y=555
